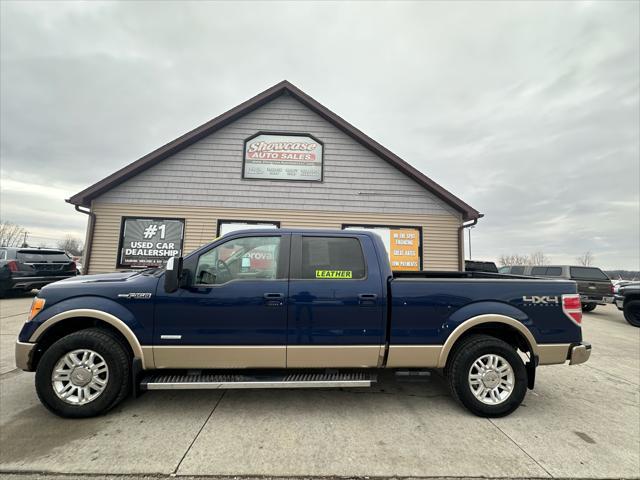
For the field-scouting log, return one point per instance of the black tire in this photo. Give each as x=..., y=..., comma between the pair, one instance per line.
x=116, y=358
x=459, y=366
x=632, y=312
x=589, y=307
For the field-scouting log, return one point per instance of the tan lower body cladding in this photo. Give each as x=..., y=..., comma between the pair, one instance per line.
x=324, y=356
x=258, y=356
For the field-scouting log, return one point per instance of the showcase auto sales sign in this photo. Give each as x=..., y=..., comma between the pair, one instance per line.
x=283, y=157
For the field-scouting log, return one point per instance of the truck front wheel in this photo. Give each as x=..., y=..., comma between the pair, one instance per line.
x=83, y=374
x=487, y=376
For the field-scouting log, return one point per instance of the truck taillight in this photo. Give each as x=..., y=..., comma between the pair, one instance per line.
x=71, y=266
x=13, y=266
x=613, y=289
x=572, y=307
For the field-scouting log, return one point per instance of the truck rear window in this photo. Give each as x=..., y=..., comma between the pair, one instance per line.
x=332, y=258
x=588, y=273
x=35, y=256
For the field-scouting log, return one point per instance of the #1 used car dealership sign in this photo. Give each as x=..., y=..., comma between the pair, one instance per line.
x=283, y=157
x=150, y=241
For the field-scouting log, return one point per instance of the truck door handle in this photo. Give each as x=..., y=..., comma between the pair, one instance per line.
x=367, y=298
x=274, y=299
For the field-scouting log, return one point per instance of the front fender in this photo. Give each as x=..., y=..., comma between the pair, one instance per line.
x=93, y=307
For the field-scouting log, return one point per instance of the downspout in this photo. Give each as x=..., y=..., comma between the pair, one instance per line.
x=461, y=242
x=86, y=255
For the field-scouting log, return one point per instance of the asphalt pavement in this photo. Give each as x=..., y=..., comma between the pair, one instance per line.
x=581, y=421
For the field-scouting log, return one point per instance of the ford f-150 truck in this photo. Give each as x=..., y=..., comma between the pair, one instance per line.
x=290, y=309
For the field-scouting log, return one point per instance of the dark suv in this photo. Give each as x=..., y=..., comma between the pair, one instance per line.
x=23, y=269
x=594, y=287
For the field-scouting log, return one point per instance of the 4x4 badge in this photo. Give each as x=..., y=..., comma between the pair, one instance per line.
x=545, y=300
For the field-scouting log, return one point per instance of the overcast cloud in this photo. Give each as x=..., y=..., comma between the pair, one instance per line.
x=530, y=112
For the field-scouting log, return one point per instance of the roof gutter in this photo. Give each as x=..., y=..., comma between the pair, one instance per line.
x=461, y=240
x=86, y=255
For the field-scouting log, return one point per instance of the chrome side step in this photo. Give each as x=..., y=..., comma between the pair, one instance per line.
x=293, y=380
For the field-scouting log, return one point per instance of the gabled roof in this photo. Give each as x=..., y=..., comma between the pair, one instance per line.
x=84, y=197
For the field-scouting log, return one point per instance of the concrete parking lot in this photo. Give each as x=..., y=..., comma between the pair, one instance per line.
x=580, y=421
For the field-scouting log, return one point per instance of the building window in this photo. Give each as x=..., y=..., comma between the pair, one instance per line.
x=403, y=244
x=149, y=242
x=332, y=258
x=228, y=226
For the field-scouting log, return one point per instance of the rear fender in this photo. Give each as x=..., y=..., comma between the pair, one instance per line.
x=476, y=315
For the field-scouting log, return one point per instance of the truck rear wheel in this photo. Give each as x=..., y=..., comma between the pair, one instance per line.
x=487, y=376
x=83, y=374
x=589, y=307
x=632, y=312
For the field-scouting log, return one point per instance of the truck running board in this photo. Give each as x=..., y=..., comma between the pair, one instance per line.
x=292, y=380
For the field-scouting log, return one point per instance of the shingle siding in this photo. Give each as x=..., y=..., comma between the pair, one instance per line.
x=208, y=173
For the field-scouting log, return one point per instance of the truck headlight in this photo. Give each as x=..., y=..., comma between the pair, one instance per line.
x=36, y=306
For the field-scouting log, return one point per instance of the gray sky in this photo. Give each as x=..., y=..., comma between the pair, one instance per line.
x=530, y=112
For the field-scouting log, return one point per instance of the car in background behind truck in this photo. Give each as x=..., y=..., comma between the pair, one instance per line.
x=594, y=286
x=480, y=266
x=25, y=269
x=627, y=299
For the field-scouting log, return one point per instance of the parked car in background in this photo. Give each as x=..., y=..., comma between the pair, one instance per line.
x=480, y=266
x=594, y=286
x=23, y=269
x=627, y=299
x=620, y=283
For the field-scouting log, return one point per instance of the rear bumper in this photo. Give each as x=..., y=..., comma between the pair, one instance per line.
x=597, y=299
x=558, y=353
x=24, y=355
x=579, y=353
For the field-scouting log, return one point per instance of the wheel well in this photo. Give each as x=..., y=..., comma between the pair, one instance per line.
x=72, y=325
x=502, y=331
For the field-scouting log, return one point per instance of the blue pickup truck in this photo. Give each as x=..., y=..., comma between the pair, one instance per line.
x=292, y=309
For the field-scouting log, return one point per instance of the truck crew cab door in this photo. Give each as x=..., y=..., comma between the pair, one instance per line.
x=336, y=302
x=232, y=313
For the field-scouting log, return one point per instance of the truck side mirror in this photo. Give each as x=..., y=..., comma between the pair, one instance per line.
x=172, y=274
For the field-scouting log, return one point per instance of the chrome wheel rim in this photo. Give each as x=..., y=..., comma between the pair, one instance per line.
x=491, y=379
x=80, y=376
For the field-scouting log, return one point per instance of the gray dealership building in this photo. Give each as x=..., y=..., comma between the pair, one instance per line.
x=280, y=159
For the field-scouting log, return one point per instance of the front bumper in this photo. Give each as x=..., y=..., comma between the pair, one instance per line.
x=24, y=355
x=619, y=301
x=579, y=353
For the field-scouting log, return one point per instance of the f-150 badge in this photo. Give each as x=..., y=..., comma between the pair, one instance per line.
x=136, y=295
x=542, y=300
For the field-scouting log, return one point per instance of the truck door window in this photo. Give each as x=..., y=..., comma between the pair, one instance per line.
x=332, y=258
x=517, y=270
x=248, y=258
